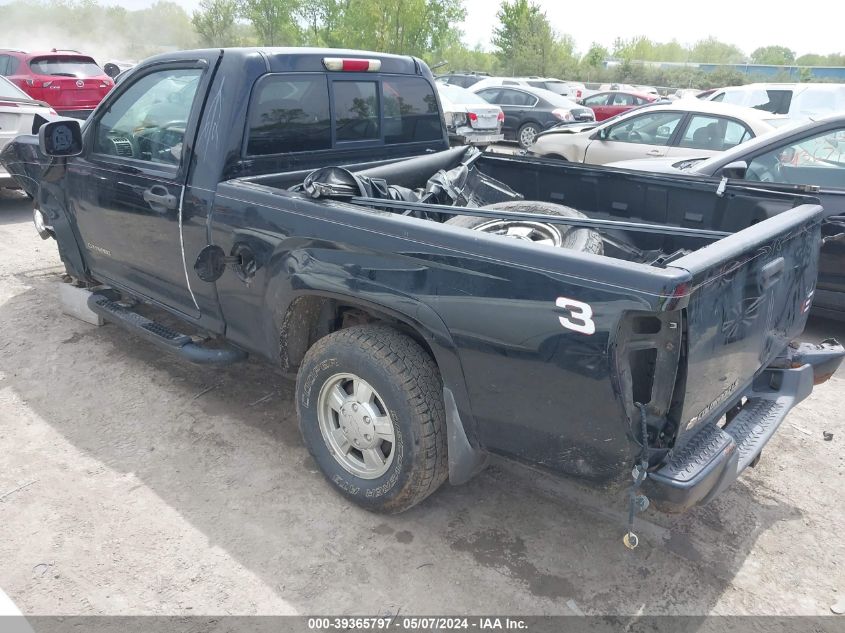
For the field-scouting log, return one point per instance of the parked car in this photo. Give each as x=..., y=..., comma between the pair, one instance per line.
x=470, y=120
x=686, y=93
x=529, y=111
x=421, y=343
x=17, y=113
x=463, y=79
x=608, y=104
x=808, y=154
x=656, y=131
x=795, y=100
x=569, y=89
x=114, y=67
x=72, y=83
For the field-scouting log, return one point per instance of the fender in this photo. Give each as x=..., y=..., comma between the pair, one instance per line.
x=466, y=456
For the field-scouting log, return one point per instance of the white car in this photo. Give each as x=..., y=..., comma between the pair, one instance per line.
x=569, y=89
x=470, y=120
x=655, y=131
x=795, y=101
x=17, y=111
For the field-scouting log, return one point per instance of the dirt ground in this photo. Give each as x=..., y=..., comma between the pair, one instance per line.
x=132, y=483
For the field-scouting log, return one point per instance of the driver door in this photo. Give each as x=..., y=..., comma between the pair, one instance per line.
x=126, y=189
x=646, y=135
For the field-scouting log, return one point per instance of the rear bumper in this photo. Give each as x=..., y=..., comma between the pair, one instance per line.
x=714, y=457
x=471, y=136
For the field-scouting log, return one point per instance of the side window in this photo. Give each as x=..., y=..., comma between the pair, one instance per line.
x=289, y=113
x=654, y=128
x=516, y=98
x=410, y=111
x=4, y=64
x=720, y=96
x=491, y=95
x=356, y=110
x=148, y=120
x=595, y=100
x=818, y=160
x=714, y=133
x=622, y=99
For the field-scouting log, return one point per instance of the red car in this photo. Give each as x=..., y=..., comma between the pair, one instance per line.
x=70, y=82
x=609, y=104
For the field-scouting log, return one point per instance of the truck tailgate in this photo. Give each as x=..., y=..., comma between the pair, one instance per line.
x=749, y=297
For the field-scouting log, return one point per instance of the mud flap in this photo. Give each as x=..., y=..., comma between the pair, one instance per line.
x=465, y=461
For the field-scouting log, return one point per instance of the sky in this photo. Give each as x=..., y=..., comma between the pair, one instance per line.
x=811, y=26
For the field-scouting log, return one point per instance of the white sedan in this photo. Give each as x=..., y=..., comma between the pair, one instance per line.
x=17, y=111
x=656, y=131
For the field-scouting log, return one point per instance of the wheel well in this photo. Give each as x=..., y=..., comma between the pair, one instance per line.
x=310, y=317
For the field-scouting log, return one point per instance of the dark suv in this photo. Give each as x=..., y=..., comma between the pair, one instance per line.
x=70, y=82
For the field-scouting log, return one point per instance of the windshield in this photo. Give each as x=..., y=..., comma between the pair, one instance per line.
x=456, y=94
x=8, y=90
x=66, y=66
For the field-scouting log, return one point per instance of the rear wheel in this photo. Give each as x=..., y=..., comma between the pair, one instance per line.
x=526, y=134
x=370, y=406
x=571, y=237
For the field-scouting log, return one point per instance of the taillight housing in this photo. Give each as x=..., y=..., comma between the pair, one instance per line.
x=472, y=116
x=351, y=65
x=500, y=117
x=562, y=115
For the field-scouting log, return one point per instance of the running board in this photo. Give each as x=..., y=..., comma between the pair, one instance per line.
x=105, y=305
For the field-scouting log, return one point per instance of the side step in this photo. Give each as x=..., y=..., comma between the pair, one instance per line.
x=105, y=304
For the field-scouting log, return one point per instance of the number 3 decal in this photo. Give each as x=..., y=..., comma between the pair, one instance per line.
x=580, y=317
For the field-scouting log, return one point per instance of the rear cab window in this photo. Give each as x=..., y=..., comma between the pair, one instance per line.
x=65, y=66
x=299, y=112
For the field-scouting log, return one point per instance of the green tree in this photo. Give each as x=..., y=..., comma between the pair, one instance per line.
x=273, y=21
x=773, y=55
x=214, y=22
x=528, y=45
x=712, y=51
x=596, y=56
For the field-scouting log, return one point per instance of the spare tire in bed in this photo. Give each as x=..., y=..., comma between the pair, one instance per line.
x=562, y=235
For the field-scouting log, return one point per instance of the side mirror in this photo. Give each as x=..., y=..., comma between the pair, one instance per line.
x=735, y=169
x=62, y=137
x=600, y=135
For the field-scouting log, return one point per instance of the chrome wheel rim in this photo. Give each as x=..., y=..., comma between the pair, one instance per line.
x=356, y=426
x=527, y=136
x=536, y=232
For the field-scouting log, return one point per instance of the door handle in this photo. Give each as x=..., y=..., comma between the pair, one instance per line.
x=771, y=273
x=157, y=195
x=654, y=152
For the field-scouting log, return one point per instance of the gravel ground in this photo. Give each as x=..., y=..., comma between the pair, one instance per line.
x=132, y=483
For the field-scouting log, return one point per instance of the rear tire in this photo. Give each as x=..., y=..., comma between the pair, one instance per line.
x=571, y=237
x=370, y=407
x=526, y=134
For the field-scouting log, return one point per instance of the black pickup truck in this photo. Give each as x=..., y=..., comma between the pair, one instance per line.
x=436, y=305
